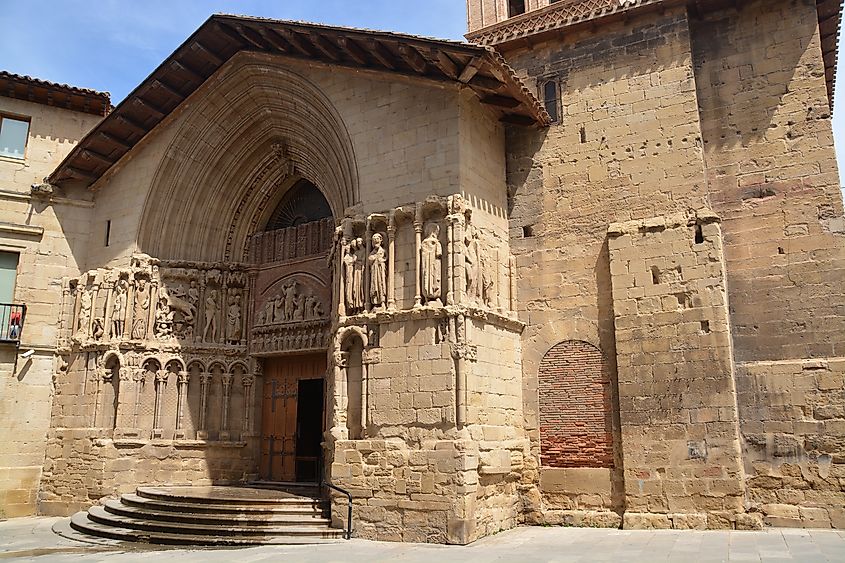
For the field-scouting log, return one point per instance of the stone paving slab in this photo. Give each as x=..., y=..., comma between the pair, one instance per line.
x=32, y=539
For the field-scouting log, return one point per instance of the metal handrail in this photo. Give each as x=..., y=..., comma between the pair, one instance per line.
x=349, y=508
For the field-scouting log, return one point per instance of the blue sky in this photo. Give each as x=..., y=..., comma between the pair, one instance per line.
x=112, y=45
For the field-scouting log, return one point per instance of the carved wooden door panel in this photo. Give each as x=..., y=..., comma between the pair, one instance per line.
x=279, y=413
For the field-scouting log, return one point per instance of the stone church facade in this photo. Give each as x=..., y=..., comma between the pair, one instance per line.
x=588, y=270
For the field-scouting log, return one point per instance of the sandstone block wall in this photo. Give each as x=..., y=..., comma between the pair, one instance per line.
x=49, y=236
x=677, y=398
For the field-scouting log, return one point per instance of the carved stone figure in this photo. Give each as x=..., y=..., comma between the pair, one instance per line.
x=233, y=319
x=299, y=312
x=164, y=318
x=97, y=329
x=142, y=305
x=319, y=313
x=487, y=280
x=309, y=308
x=84, y=312
x=290, y=300
x=378, y=273
x=349, y=259
x=210, y=329
x=431, y=255
x=471, y=263
x=118, y=317
x=358, y=272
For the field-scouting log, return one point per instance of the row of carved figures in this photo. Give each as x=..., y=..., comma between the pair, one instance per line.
x=136, y=307
x=478, y=271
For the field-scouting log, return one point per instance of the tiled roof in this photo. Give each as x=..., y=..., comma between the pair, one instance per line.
x=54, y=94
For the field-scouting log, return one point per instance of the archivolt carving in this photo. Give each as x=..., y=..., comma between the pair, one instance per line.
x=229, y=161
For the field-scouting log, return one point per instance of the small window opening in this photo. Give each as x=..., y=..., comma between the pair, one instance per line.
x=550, y=99
x=108, y=231
x=583, y=135
x=655, y=275
x=13, y=136
x=705, y=327
x=528, y=231
x=516, y=7
x=699, y=236
x=781, y=250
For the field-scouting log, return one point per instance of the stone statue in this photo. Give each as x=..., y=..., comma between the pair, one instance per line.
x=118, y=317
x=309, y=308
x=142, y=305
x=349, y=259
x=164, y=318
x=358, y=275
x=84, y=312
x=233, y=319
x=432, y=252
x=319, y=313
x=487, y=280
x=299, y=312
x=378, y=273
x=210, y=329
x=97, y=329
x=276, y=313
x=290, y=300
x=471, y=263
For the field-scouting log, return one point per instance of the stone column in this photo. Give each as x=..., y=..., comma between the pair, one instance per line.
x=340, y=360
x=95, y=294
x=129, y=319
x=226, y=380
x=205, y=381
x=391, y=262
x=182, y=380
x=161, y=387
x=139, y=377
x=248, y=381
x=222, y=308
x=151, y=314
x=457, y=287
x=124, y=417
x=63, y=319
x=512, y=278
x=418, y=226
x=341, y=282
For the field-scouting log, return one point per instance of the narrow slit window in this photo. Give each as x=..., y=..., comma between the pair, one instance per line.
x=108, y=232
x=550, y=99
x=699, y=235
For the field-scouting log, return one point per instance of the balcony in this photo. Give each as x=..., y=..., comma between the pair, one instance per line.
x=12, y=317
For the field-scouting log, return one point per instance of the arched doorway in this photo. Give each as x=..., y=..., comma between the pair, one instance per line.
x=292, y=304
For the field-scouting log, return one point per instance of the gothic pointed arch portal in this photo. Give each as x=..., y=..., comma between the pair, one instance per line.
x=258, y=130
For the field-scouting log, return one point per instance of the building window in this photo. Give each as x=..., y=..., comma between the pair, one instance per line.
x=516, y=7
x=13, y=134
x=550, y=99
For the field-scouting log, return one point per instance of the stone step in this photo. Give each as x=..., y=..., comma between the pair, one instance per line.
x=99, y=515
x=225, y=495
x=81, y=523
x=315, y=518
x=305, y=506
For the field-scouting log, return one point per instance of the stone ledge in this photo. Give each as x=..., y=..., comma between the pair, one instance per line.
x=187, y=444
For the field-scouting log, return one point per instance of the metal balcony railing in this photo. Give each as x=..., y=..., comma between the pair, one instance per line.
x=12, y=317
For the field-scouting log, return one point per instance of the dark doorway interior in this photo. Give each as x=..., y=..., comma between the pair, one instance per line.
x=309, y=430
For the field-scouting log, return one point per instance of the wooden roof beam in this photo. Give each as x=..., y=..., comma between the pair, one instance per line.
x=158, y=83
x=182, y=67
x=74, y=172
x=89, y=154
x=353, y=50
x=501, y=101
x=254, y=38
x=132, y=124
x=517, y=119
x=112, y=139
x=150, y=107
x=381, y=54
x=485, y=83
x=273, y=39
x=322, y=44
x=446, y=65
x=295, y=41
x=470, y=70
x=233, y=35
x=215, y=58
x=413, y=58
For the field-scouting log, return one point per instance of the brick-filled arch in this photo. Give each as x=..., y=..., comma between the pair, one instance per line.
x=575, y=407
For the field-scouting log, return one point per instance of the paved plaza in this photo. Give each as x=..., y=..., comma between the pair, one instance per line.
x=32, y=539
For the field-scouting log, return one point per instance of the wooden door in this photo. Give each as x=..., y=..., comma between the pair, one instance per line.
x=279, y=413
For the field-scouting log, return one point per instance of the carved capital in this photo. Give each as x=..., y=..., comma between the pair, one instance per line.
x=371, y=356
x=464, y=351
x=226, y=379
x=248, y=380
x=341, y=359
x=126, y=373
x=205, y=378
x=183, y=378
x=161, y=376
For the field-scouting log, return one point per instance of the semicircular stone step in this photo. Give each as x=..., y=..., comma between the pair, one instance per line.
x=81, y=523
x=224, y=495
x=314, y=518
x=99, y=515
x=308, y=506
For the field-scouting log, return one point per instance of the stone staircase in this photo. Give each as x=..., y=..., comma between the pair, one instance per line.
x=249, y=515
